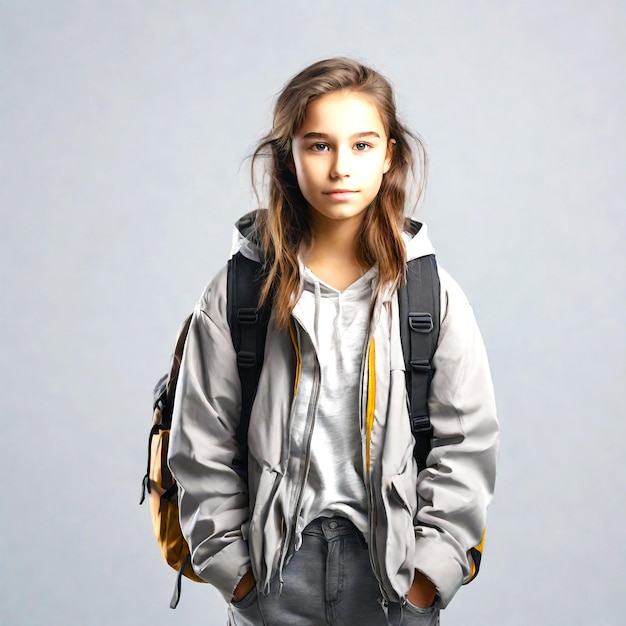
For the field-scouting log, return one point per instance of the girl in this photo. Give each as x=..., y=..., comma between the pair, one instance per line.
x=333, y=524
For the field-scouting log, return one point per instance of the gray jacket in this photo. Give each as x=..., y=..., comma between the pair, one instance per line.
x=427, y=522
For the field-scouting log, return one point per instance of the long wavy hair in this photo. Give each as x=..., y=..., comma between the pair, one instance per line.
x=286, y=225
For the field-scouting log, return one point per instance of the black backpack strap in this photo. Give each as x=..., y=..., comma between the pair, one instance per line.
x=419, y=329
x=248, y=327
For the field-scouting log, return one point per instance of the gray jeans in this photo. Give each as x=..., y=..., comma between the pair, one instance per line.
x=328, y=581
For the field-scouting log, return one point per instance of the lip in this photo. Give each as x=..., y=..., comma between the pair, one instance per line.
x=339, y=194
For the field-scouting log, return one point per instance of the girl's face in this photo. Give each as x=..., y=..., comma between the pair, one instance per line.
x=340, y=154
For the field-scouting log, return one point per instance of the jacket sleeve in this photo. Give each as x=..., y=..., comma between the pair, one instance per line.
x=213, y=498
x=456, y=487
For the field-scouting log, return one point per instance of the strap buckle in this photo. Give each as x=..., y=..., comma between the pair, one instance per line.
x=247, y=316
x=246, y=359
x=421, y=322
x=420, y=424
x=420, y=365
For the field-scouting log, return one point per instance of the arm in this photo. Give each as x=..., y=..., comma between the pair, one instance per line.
x=456, y=488
x=213, y=498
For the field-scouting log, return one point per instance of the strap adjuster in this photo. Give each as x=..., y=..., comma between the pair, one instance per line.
x=420, y=365
x=246, y=359
x=420, y=424
x=247, y=316
x=421, y=322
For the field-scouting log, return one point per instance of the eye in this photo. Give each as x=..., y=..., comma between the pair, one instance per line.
x=361, y=146
x=320, y=147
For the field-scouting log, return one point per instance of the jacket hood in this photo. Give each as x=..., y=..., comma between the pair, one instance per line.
x=245, y=237
x=416, y=240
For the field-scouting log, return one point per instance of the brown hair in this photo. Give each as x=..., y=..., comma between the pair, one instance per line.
x=286, y=223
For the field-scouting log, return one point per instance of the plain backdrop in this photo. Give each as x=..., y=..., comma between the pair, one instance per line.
x=125, y=127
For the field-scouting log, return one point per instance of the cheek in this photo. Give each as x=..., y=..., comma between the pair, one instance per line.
x=377, y=172
x=302, y=178
x=306, y=172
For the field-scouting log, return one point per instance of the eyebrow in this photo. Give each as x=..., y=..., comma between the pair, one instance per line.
x=362, y=135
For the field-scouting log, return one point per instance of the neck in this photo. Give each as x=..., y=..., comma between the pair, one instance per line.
x=332, y=255
x=334, y=240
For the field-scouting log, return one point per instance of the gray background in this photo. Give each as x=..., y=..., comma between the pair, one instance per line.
x=124, y=131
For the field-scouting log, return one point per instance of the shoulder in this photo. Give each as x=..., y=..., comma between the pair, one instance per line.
x=451, y=291
x=214, y=301
x=457, y=315
x=459, y=332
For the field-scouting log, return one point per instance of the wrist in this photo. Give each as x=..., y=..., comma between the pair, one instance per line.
x=422, y=592
x=244, y=586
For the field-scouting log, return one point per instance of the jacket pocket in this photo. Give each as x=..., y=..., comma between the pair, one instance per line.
x=261, y=499
x=247, y=600
x=400, y=496
x=265, y=523
x=405, y=491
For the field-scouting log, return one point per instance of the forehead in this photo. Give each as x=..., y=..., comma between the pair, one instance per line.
x=342, y=113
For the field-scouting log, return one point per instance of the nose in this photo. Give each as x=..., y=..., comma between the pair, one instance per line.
x=341, y=163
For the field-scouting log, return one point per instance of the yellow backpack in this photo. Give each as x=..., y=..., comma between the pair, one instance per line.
x=248, y=327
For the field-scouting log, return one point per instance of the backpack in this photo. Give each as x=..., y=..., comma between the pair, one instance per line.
x=419, y=310
x=248, y=327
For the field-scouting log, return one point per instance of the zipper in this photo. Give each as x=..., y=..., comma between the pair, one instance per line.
x=372, y=515
x=290, y=538
x=309, y=437
x=372, y=518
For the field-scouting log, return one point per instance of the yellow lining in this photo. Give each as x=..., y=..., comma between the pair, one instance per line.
x=479, y=548
x=481, y=545
x=294, y=341
x=371, y=403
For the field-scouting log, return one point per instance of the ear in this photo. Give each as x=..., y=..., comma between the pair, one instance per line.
x=389, y=156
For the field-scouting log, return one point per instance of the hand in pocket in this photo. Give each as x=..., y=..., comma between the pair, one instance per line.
x=244, y=586
x=422, y=592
